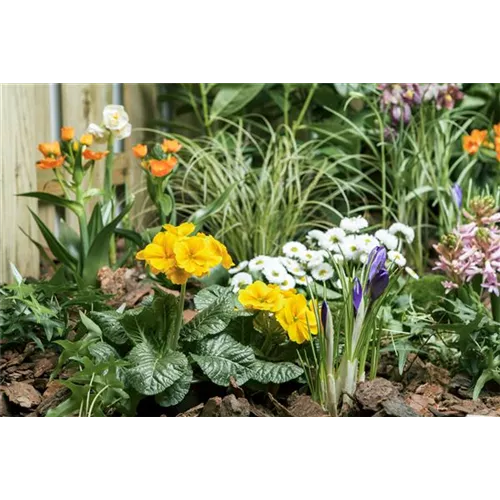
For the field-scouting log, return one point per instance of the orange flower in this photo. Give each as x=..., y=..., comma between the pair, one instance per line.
x=88, y=154
x=140, y=150
x=67, y=133
x=87, y=139
x=160, y=168
x=47, y=163
x=496, y=129
x=472, y=142
x=50, y=148
x=172, y=146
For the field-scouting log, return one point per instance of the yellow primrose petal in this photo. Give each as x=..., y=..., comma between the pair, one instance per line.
x=177, y=275
x=194, y=254
x=262, y=297
x=184, y=229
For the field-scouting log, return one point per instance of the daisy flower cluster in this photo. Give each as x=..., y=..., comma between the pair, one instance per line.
x=473, y=249
x=302, y=265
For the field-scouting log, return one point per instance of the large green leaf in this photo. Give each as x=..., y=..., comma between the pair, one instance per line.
x=41, y=249
x=109, y=323
x=177, y=391
x=132, y=236
x=95, y=223
x=153, y=372
x=98, y=255
x=207, y=296
x=70, y=239
x=231, y=98
x=102, y=352
x=74, y=206
x=223, y=357
x=267, y=372
x=54, y=244
x=211, y=321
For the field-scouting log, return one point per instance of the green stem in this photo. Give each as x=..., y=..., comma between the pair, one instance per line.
x=303, y=111
x=174, y=340
x=384, y=172
x=159, y=194
x=204, y=101
x=62, y=183
x=82, y=222
x=108, y=172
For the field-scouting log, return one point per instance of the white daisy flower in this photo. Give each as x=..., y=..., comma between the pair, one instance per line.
x=303, y=280
x=399, y=230
x=287, y=262
x=387, y=239
x=239, y=267
x=412, y=273
x=332, y=238
x=397, y=258
x=369, y=242
x=288, y=283
x=351, y=247
x=296, y=270
x=307, y=255
x=241, y=280
x=315, y=236
x=258, y=263
x=274, y=272
x=338, y=258
x=292, y=249
x=353, y=224
x=322, y=272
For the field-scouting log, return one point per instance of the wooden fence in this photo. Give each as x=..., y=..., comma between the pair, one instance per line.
x=27, y=119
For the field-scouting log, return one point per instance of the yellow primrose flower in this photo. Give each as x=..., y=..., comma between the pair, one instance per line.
x=184, y=229
x=297, y=319
x=177, y=275
x=262, y=297
x=195, y=255
x=159, y=254
x=221, y=250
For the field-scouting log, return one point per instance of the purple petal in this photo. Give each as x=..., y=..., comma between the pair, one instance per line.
x=357, y=294
x=379, y=283
x=376, y=260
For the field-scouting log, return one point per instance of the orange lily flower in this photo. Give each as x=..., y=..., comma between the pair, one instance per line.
x=172, y=146
x=496, y=129
x=160, y=168
x=50, y=148
x=88, y=154
x=140, y=150
x=48, y=163
x=471, y=143
x=67, y=133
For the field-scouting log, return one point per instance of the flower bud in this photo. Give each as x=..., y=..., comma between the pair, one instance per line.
x=67, y=133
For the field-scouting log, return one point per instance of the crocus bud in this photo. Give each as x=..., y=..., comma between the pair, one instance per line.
x=379, y=283
x=376, y=260
x=456, y=193
x=357, y=294
x=324, y=314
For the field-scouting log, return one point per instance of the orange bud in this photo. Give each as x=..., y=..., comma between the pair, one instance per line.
x=87, y=139
x=172, y=146
x=160, y=168
x=67, y=133
x=88, y=154
x=140, y=150
x=47, y=163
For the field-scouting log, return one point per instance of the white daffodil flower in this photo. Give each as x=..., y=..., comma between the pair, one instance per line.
x=115, y=117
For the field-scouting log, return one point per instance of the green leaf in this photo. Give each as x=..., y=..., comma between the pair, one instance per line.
x=70, y=239
x=17, y=275
x=95, y=223
x=267, y=372
x=132, y=236
x=74, y=206
x=102, y=352
x=212, y=208
x=109, y=323
x=98, y=255
x=166, y=204
x=154, y=372
x=223, y=357
x=211, y=321
x=207, y=296
x=41, y=249
x=54, y=244
x=232, y=98
x=89, y=324
x=177, y=391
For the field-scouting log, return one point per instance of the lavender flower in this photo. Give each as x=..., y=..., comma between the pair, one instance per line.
x=357, y=294
x=456, y=193
x=379, y=283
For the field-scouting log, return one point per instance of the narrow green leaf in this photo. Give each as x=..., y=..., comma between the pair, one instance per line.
x=74, y=206
x=177, y=391
x=212, y=208
x=223, y=357
x=41, y=249
x=267, y=372
x=55, y=246
x=232, y=98
x=95, y=223
x=153, y=372
x=98, y=255
x=89, y=324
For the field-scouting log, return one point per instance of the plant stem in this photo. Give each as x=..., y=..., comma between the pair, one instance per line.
x=303, y=111
x=159, y=194
x=108, y=172
x=82, y=222
x=179, y=320
x=204, y=102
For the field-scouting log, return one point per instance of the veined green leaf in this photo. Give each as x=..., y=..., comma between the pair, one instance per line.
x=153, y=372
x=98, y=255
x=54, y=244
x=232, y=98
x=102, y=352
x=267, y=372
x=109, y=323
x=74, y=206
x=223, y=357
x=207, y=296
x=177, y=391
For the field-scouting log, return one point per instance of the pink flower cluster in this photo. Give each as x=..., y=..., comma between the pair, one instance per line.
x=473, y=249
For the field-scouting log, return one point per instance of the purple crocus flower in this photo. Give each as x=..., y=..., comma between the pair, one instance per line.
x=456, y=193
x=357, y=294
x=378, y=283
x=324, y=314
x=376, y=261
